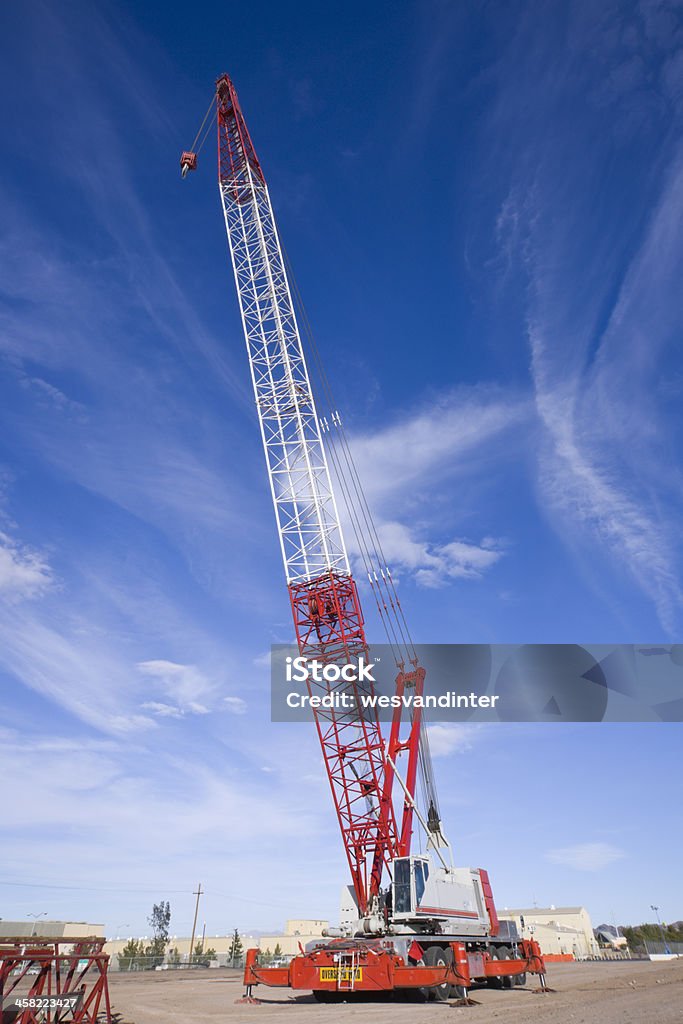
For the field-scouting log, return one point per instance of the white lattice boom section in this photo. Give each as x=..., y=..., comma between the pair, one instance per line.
x=307, y=517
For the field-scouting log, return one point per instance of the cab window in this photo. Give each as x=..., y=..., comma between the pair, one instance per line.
x=402, y=904
x=420, y=879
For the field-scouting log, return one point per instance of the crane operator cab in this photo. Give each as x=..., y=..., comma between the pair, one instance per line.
x=410, y=877
x=424, y=892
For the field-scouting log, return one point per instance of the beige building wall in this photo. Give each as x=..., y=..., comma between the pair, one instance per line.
x=297, y=931
x=51, y=929
x=556, y=929
x=220, y=943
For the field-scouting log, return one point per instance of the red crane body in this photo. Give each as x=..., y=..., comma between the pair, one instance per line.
x=324, y=598
x=445, y=932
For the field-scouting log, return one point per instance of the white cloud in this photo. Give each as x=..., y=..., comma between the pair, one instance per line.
x=448, y=738
x=577, y=481
x=586, y=856
x=185, y=683
x=435, y=564
x=69, y=663
x=23, y=572
x=600, y=364
x=602, y=292
x=235, y=705
x=435, y=442
x=198, y=709
x=460, y=434
x=162, y=710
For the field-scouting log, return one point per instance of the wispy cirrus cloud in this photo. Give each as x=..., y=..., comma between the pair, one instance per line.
x=458, y=436
x=454, y=433
x=24, y=573
x=586, y=856
x=602, y=310
x=191, y=691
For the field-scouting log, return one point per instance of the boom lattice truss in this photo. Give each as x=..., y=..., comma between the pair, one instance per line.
x=323, y=594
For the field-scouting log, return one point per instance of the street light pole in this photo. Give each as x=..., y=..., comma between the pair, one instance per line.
x=666, y=944
x=35, y=920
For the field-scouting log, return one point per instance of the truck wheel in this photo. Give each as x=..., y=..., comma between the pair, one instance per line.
x=411, y=995
x=505, y=953
x=436, y=956
x=520, y=979
x=494, y=982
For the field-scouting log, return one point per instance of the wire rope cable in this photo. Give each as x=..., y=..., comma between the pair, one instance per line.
x=369, y=542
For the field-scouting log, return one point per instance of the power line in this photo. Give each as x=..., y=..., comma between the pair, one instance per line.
x=85, y=888
x=155, y=891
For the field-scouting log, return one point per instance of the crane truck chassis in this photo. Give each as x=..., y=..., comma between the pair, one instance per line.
x=434, y=929
x=438, y=967
x=425, y=951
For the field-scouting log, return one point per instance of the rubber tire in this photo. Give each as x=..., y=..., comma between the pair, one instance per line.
x=435, y=956
x=520, y=979
x=323, y=995
x=505, y=953
x=494, y=982
x=412, y=995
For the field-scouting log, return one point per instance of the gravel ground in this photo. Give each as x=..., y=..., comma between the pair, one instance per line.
x=614, y=992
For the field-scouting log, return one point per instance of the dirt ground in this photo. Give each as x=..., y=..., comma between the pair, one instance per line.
x=613, y=992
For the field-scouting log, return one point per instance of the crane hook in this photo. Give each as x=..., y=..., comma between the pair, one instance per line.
x=188, y=162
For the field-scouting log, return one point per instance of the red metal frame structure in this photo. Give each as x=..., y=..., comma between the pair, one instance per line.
x=324, y=598
x=79, y=970
x=342, y=967
x=329, y=629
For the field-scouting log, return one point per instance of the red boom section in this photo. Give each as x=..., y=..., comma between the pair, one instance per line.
x=329, y=629
x=235, y=148
x=411, y=745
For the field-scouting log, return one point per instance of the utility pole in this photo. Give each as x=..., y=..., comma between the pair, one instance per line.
x=198, y=893
x=666, y=944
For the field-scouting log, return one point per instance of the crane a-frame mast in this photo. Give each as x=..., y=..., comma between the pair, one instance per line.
x=323, y=594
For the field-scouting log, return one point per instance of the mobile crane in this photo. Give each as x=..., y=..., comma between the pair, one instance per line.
x=434, y=929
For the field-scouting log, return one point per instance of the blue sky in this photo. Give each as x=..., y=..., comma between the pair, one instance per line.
x=483, y=206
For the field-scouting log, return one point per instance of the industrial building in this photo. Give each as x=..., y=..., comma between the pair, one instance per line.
x=50, y=929
x=558, y=930
x=298, y=932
